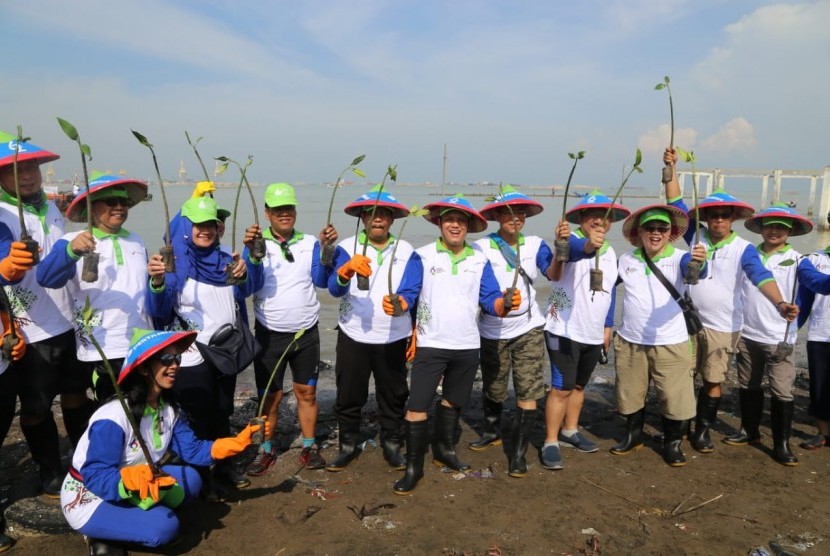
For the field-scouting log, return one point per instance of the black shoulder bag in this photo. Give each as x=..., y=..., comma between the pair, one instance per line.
x=231, y=348
x=690, y=312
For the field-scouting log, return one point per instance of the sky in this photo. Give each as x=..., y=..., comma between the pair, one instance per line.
x=511, y=87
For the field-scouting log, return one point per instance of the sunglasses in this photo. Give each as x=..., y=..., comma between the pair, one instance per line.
x=659, y=229
x=720, y=215
x=289, y=256
x=168, y=359
x=113, y=202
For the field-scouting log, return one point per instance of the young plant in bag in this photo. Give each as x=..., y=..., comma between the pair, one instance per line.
x=25, y=238
x=667, y=171
x=562, y=248
x=392, y=174
x=257, y=250
x=327, y=252
x=166, y=251
x=395, y=299
x=692, y=276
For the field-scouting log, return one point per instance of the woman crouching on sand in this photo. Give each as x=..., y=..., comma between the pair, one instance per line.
x=111, y=494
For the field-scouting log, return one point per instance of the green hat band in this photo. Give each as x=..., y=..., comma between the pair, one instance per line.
x=786, y=222
x=654, y=215
x=448, y=210
x=109, y=193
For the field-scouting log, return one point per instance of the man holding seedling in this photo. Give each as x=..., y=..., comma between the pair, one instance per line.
x=50, y=366
x=766, y=340
x=118, y=294
x=370, y=342
x=720, y=298
x=451, y=282
x=515, y=343
x=576, y=328
x=287, y=303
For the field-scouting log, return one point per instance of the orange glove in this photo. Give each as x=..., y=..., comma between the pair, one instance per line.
x=389, y=309
x=227, y=447
x=500, y=304
x=357, y=264
x=410, y=349
x=18, y=350
x=139, y=478
x=19, y=260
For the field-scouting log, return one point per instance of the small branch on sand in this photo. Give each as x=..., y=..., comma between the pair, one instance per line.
x=602, y=488
x=693, y=508
x=742, y=518
x=674, y=511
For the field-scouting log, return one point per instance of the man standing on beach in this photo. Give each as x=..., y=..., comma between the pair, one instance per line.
x=450, y=281
x=720, y=298
x=287, y=303
x=370, y=342
x=513, y=344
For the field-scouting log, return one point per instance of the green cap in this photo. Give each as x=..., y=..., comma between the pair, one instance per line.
x=652, y=215
x=786, y=222
x=109, y=193
x=222, y=214
x=200, y=209
x=279, y=195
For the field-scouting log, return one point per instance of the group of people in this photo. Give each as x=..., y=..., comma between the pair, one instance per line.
x=156, y=431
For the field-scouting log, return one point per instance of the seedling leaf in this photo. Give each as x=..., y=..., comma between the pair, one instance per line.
x=358, y=160
x=358, y=172
x=68, y=129
x=141, y=139
x=639, y=158
x=393, y=172
x=87, y=151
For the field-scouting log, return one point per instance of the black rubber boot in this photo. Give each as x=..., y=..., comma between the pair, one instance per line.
x=522, y=430
x=349, y=450
x=76, y=419
x=6, y=542
x=99, y=547
x=781, y=414
x=672, y=438
x=44, y=446
x=634, y=434
x=416, y=446
x=227, y=471
x=707, y=414
x=752, y=406
x=443, y=438
x=491, y=433
x=392, y=442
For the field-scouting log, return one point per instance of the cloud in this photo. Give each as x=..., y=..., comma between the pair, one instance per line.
x=735, y=135
x=654, y=141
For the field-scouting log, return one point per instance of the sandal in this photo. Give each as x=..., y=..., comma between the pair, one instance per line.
x=814, y=443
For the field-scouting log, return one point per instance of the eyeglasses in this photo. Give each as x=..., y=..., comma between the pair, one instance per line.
x=167, y=359
x=113, y=202
x=289, y=256
x=658, y=229
x=720, y=215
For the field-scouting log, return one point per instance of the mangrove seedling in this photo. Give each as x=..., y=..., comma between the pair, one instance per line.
x=198, y=156
x=25, y=238
x=517, y=259
x=9, y=341
x=395, y=299
x=562, y=247
x=257, y=250
x=166, y=251
x=327, y=253
x=595, y=277
x=784, y=348
x=392, y=174
x=659, y=87
x=693, y=268
x=90, y=268
x=87, y=315
x=259, y=436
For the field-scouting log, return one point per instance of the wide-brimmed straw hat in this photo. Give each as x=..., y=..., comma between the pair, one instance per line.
x=105, y=186
x=509, y=196
x=596, y=200
x=146, y=343
x=721, y=199
x=779, y=213
x=383, y=198
x=679, y=222
x=459, y=203
x=26, y=152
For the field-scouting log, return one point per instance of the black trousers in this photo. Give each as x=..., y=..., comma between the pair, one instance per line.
x=356, y=362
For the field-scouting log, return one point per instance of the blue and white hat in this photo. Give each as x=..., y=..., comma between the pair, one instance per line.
x=104, y=186
x=720, y=198
x=147, y=343
x=509, y=196
x=459, y=203
x=779, y=213
x=26, y=151
x=596, y=200
x=366, y=201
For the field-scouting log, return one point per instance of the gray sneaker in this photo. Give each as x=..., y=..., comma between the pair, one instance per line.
x=552, y=457
x=579, y=442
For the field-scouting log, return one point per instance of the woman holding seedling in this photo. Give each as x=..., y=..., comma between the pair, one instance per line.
x=576, y=328
x=370, y=342
x=652, y=344
x=513, y=344
x=198, y=297
x=112, y=494
x=121, y=287
x=720, y=299
x=451, y=282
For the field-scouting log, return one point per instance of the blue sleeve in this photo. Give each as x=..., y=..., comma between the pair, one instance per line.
x=684, y=265
x=544, y=256
x=689, y=235
x=58, y=267
x=754, y=269
x=336, y=289
x=812, y=278
x=609, y=317
x=101, y=471
x=412, y=280
x=188, y=447
x=489, y=291
x=319, y=273
x=160, y=304
x=254, y=280
x=577, y=249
